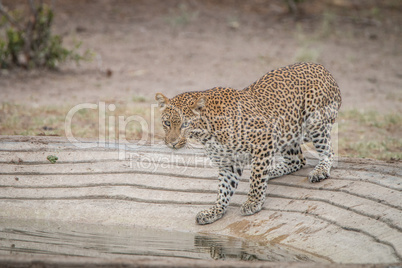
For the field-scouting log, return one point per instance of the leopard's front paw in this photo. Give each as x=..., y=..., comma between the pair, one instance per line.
x=209, y=215
x=250, y=207
x=318, y=175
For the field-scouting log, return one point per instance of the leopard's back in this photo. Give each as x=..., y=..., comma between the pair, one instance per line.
x=296, y=90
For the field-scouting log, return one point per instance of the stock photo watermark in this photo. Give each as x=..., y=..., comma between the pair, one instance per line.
x=108, y=126
x=178, y=163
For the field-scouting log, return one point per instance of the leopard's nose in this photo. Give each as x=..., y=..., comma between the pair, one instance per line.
x=174, y=145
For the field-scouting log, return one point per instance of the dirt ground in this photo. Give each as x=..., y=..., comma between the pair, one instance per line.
x=144, y=47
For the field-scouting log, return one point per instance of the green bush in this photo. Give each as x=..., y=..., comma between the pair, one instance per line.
x=30, y=43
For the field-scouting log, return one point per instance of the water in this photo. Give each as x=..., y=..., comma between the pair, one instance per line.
x=18, y=237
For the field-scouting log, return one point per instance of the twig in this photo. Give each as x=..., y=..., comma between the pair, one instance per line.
x=30, y=29
x=32, y=6
x=9, y=18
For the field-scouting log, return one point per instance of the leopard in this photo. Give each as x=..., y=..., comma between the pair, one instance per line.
x=264, y=122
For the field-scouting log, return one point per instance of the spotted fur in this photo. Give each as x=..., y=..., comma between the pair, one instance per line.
x=270, y=117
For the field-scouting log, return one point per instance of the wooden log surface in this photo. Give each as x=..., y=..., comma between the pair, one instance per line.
x=353, y=217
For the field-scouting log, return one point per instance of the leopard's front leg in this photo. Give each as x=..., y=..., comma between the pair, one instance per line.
x=258, y=184
x=228, y=181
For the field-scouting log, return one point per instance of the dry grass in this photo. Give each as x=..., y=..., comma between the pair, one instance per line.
x=370, y=135
x=360, y=134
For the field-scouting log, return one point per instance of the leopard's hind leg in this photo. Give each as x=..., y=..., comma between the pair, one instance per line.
x=318, y=129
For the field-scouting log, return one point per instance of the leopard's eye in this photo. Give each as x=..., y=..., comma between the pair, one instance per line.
x=185, y=124
x=166, y=123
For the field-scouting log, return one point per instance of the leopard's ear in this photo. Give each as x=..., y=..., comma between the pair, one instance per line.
x=162, y=100
x=198, y=105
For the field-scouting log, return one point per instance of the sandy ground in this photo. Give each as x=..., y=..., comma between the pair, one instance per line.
x=176, y=46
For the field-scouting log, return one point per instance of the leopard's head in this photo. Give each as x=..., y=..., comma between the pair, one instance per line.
x=180, y=117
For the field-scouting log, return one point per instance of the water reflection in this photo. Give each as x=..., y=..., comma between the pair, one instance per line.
x=220, y=248
x=54, y=238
